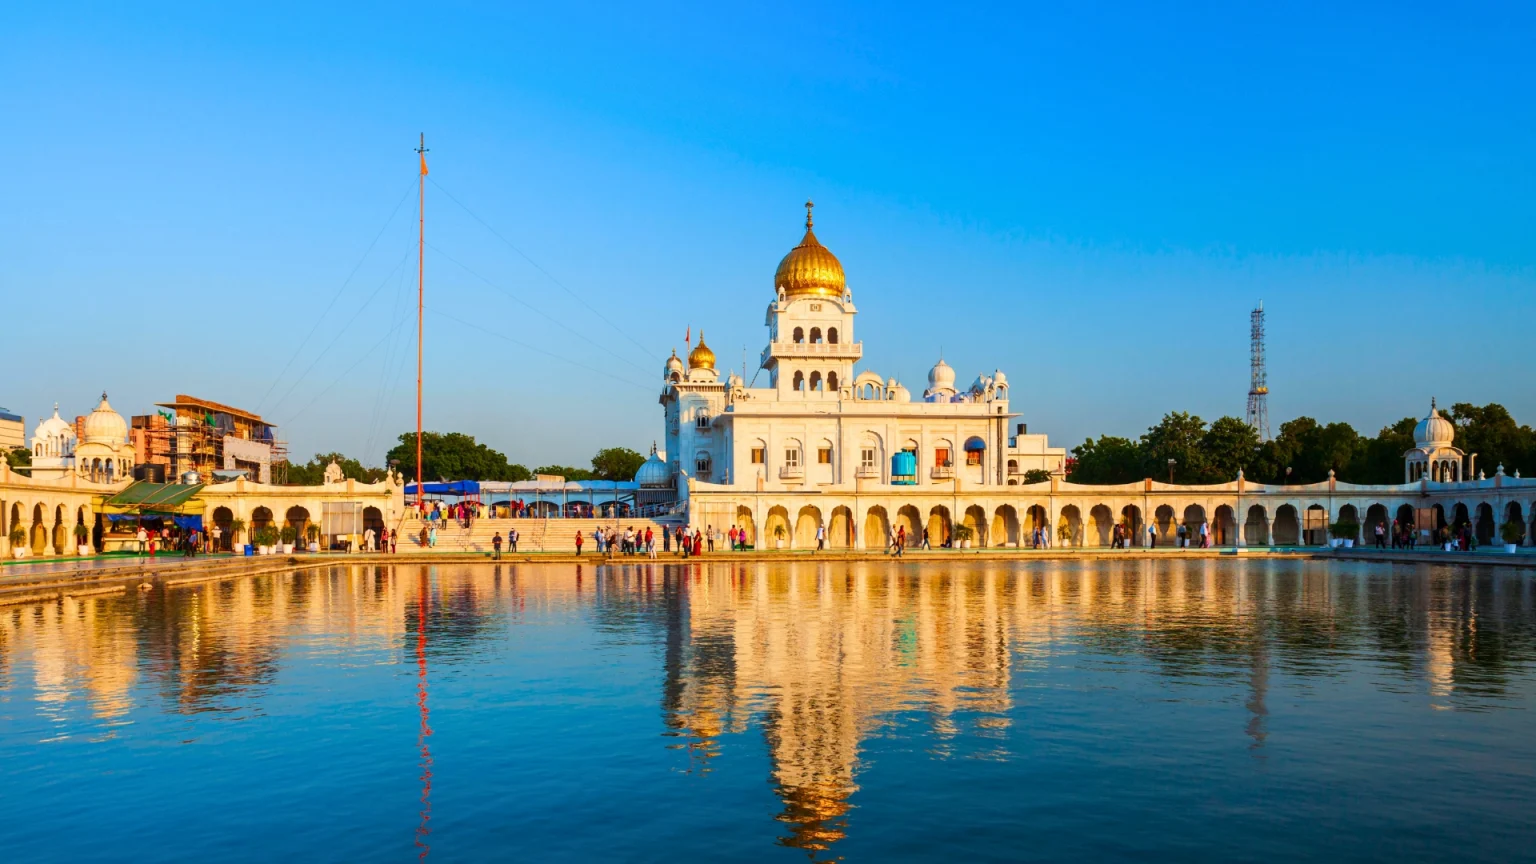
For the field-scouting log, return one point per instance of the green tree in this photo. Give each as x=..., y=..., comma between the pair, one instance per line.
x=312, y=473
x=567, y=471
x=19, y=459
x=1108, y=460
x=1380, y=459
x=454, y=456
x=1494, y=436
x=616, y=463
x=1179, y=437
x=1036, y=475
x=1229, y=446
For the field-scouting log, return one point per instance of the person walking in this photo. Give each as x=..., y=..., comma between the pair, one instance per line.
x=821, y=537
x=496, y=547
x=432, y=536
x=578, y=542
x=513, y=535
x=1205, y=535
x=394, y=537
x=650, y=544
x=924, y=544
x=1151, y=536
x=1381, y=535
x=143, y=538
x=901, y=540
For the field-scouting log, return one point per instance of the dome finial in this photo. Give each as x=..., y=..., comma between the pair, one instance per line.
x=808, y=205
x=1432, y=403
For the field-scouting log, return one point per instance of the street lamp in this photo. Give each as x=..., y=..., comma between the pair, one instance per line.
x=1171, y=462
x=1287, y=475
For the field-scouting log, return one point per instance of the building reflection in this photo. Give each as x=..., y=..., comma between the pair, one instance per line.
x=825, y=658
x=824, y=661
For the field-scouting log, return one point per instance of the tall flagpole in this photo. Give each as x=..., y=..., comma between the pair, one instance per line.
x=421, y=247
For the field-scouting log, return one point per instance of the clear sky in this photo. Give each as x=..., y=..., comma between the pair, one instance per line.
x=219, y=199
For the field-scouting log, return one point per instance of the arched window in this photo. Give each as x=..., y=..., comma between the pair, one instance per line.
x=815, y=335
x=799, y=382
x=831, y=335
x=701, y=421
x=701, y=464
x=799, y=335
x=675, y=378
x=832, y=381
x=816, y=381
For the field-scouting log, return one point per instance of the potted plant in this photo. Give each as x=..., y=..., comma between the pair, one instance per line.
x=236, y=528
x=1344, y=533
x=290, y=534
x=963, y=535
x=778, y=536
x=266, y=535
x=82, y=540
x=18, y=539
x=312, y=532
x=1512, y=532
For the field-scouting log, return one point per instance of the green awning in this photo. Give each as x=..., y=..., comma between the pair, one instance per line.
x=145, y=497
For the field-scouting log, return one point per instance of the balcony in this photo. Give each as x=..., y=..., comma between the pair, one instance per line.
x=792, y=472
x=830, y=350
x=868, y=472
x=943, y=472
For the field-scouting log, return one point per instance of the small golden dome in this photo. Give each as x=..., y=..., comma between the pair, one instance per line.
x=701, y=357
x=810, y=269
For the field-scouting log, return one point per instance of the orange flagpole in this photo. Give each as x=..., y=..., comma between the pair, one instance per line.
x=421, y=247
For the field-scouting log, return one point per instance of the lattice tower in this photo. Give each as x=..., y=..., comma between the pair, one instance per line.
x=1258, y=388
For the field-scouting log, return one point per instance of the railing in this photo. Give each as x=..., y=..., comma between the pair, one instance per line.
x=868, y=471
x=944, y=472
x=789, y=472
x=852, y=350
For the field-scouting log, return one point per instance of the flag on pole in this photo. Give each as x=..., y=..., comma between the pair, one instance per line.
x=688, y=336
x=423, y=164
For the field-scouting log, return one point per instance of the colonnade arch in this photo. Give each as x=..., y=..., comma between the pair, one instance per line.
x=1005, y=526
x=1256, y=526
x=840, y=529
x=806, y=523
x=877, y=528
x=746, y=524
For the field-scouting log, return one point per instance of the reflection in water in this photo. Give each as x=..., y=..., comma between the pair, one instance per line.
x=422, y=592
x=821, y=659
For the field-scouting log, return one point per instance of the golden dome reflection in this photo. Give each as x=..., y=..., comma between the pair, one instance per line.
x=701, y=357
x=810, y=269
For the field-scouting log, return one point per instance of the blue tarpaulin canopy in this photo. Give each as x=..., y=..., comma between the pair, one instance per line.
x=457, y=487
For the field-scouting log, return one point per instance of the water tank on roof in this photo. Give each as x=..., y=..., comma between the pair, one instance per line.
x=904, y=468
x=190, y=478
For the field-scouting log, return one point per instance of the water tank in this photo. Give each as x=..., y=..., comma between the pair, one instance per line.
x=154, y=472
x=190, y=478
x=904, y=468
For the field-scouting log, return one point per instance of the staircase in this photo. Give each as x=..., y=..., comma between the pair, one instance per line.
x=535, y=535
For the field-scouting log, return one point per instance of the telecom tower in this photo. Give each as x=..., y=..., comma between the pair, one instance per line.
x=1258, y=390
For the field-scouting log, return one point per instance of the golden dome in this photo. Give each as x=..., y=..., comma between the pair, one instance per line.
x=701, y=357
x=810, y=269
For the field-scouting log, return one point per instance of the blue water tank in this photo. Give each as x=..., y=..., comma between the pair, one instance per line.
x=904, y=468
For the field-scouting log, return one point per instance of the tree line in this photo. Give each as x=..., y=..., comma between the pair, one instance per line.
x=1304, y=451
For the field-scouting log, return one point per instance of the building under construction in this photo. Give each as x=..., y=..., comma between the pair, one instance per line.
x=217, y=441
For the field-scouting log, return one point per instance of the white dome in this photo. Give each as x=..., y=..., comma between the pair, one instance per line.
x=1434, y=430
x=653, y=471
x=999, y=379
x=105, y=425
x=941, y=376
x=674, y=364
x=55, y=427
x=900, y=394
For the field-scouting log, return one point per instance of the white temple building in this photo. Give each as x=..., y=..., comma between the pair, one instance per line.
x=53, y=447
x=818, y=424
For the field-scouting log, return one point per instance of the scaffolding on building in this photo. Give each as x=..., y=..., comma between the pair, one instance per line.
x=198, y=435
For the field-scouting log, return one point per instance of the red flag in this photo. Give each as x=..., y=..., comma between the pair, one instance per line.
x=688, y=337
x=423, y=164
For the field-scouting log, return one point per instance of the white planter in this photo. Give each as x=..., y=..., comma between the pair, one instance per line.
x=19, y=553
x=965, y=544
x=287, y=548
x=779, y=543
x=313, y=546
x=1511, y=547
x=1349, y=543
x=82, y=550
x=265, y=550
x=1448, y=547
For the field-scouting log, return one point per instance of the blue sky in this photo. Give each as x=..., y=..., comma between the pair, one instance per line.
x=1088, y=196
